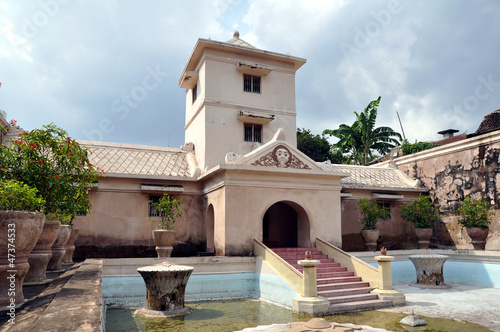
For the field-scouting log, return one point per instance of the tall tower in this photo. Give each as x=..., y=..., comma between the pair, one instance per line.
x=237, y=97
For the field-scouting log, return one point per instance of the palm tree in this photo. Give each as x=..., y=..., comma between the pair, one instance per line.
x=362, y=138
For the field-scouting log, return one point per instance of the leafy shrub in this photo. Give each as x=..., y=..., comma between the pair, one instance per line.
x=372, y=213
x=168, y=209
x=420, y=212
x=408, y=148
x=474, y=213
x=17, y=196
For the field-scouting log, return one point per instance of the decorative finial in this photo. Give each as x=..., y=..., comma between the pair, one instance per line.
x=383, y=251
x=236, y=34
x=308, y=255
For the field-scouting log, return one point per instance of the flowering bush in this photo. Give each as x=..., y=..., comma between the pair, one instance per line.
x=18, y=196
x=168, y=209
x=56, y=165
x=420, y=212
x=474, y=213
x=372, y=213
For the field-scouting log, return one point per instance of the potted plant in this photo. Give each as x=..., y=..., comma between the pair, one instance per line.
x=372, y=213
x=421, y=213
x=58, y=248
x=167, y=210
x=58, y=167
x=475, y=216
x=21, y=224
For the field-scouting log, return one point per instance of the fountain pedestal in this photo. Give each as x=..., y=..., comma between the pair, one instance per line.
x=165, y=289
x=429, y=268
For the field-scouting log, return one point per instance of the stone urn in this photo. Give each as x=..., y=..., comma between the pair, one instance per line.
x=42, y=252
x=424, y=237
x=70, y=246
x=58, y=249
x=478, y=236
x=370, y=236
x=19, y=233
x=164, y=239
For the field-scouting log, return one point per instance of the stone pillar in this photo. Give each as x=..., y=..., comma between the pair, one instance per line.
x=385, y=290
x=310, y=303
x=310, y=281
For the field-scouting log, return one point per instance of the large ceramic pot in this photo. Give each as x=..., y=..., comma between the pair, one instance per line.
x=424, y=237
x=19, y=232
x=370, y=236
x=478, y=236
x=42, y=252
x=58, y=249
x=164, y=239
x=70, y=246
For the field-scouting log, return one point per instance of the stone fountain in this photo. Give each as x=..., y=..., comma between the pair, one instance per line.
x=429, y=268
x=165, y=289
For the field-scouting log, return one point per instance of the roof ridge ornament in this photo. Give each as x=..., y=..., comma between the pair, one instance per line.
x=236, y=34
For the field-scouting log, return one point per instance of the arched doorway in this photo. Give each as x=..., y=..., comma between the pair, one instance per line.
x=210, y=226
x=285, y=224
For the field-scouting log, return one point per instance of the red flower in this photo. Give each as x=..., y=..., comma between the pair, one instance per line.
x=57, y=176
x=33, y=145
x=70, y=153
x=68, y=139
x=2, y=166
x=40, y=161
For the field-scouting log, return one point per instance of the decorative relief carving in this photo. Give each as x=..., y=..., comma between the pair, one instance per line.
x=282, y=157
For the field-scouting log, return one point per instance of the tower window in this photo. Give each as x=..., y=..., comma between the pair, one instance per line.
x=195, y=93
x=253, y=132
x=251, y=83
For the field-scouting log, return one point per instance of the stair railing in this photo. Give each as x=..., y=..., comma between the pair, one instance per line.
x=353, y=264
x=290, y=274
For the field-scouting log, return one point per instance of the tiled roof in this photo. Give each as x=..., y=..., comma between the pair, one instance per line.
x=131, y=159
x=240, y=42
x=490, y=122
x=366, y=177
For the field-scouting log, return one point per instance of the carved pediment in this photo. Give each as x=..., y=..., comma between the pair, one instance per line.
x=281, y=156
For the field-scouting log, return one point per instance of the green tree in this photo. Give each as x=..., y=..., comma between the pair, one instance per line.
x=317, y=147
x=56, y=165
x=362, y=138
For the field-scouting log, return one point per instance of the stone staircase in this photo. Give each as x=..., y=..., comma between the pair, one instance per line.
x=345, y=291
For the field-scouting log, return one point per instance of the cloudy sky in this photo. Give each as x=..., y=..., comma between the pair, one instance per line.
x=77, y=63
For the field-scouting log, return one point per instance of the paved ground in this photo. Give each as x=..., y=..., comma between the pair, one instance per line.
x=474, y=304
x=457, y=301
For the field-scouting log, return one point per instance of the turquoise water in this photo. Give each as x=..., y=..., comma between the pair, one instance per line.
x=235, y=315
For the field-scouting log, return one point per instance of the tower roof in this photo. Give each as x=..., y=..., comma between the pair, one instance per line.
x=234, y=45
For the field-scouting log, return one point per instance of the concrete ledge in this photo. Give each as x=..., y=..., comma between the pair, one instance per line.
x=464, y=255
x=71, y=302
x=202, y=265
x=310, y=306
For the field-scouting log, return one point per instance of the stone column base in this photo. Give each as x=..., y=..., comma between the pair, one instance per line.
x=393, y=295
x=310, y=306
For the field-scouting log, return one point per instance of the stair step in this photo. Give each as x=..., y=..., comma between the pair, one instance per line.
x=328, y=270
x=329, y=275
x=342, y=284
x=352, y=298
x=330, y=293
x=359, y=306
x=319, y=267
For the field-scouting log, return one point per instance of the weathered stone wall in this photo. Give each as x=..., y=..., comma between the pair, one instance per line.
x=118, y=224
x=452, y=172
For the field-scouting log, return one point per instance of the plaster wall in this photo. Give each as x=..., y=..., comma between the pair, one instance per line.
x=117, y=225
x=212, y=118
x=248, y=195
x=395, y=233
x=453, y=172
